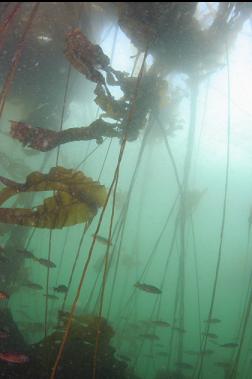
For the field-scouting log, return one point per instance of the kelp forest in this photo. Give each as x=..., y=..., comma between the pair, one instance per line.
x=125, y=190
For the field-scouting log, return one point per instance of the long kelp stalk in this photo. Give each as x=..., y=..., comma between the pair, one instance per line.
x=224, y=209
x=168, y=148
x=244, y=317
x=125, y=211
x=196, y=266
x=105, y=271
x=64, y=108
x=234, y=371
x=120, y=226
x=47, y=282
x=57, y=161
x=166, y=266
x=119, y=251
x=87, y=155
x=176, y=301
x=244, y=298
x=62, y=255
x=182, y=211
x=202, y=128
x=118, y=233
x=73, y=308
x=151, y=256
x=74, y=305
x=50, y=231
x=104, y=161
x=75, y=264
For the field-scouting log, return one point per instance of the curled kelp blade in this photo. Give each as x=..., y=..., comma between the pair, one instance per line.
x=76, y=199
x=85, y=57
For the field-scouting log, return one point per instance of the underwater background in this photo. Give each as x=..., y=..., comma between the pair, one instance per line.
x=149, y=273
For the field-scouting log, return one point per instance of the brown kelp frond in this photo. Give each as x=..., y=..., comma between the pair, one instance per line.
x=85, y=57
x=76, y=199
x=45, y=139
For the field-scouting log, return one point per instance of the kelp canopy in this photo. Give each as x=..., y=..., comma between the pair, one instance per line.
x=176, y=40
x=76, y=199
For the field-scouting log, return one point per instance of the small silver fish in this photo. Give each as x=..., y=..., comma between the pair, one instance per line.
x=163, y=354
x=178, y=329
x=61, y=288
x=210, y=335
x=184, y=365
x=34, y=286
x=149, y=336
x=223, y=364
x=148, y=355
x=52, y=297
x=103, y=240
x=191, y=352
x=148, y=288
x=45, y=262
x=162, y=324
x=206, y=352
x=212, y=321
x=230, y=345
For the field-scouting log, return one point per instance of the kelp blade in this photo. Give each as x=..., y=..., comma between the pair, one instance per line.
x=76, y=199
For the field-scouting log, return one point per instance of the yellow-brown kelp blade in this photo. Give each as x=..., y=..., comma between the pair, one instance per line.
x=76, y=199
